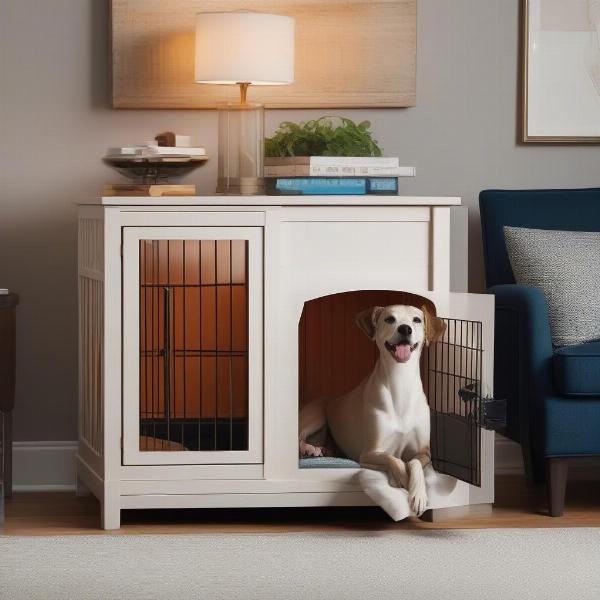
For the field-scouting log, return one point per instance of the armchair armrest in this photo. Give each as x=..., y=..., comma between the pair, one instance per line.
x=523, y=358
x=530, y=304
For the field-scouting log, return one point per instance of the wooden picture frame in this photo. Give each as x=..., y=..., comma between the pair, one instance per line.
x=555, y=110
x=349, y=54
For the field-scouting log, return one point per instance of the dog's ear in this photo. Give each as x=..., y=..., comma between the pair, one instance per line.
x=434, y=326
x=367, y=320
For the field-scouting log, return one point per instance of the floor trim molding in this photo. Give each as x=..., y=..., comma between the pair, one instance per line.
x=509, y=460
x=44, y=466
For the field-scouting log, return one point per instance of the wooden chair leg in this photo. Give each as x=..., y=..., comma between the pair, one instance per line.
x=557, y=470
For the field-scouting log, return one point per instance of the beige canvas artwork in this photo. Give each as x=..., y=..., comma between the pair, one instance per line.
x=349, y=53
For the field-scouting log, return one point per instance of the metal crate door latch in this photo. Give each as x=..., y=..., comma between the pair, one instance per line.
x=483, y=409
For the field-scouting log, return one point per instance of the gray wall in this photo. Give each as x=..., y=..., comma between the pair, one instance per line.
x=56, y=123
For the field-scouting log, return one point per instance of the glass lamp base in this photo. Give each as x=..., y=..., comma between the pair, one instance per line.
x=241, y=186
x=241, y=149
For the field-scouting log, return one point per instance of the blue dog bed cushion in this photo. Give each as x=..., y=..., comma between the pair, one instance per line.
x=327, y=462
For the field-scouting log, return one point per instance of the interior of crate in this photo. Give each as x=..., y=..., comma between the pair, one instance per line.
x=193, y=345
x=335, y=355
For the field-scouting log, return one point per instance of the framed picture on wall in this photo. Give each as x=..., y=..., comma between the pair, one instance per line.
x=561, y=71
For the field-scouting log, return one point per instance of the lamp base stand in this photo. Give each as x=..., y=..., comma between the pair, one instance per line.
x=241, y=149
x=244, y=186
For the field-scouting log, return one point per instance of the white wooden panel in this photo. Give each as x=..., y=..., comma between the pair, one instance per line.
x=440, y=249
x=204, y=218
x=91, y=334
x=351, y=256
x=246, y=500
x=273, y=340
x=299, y=486
x=240, y=486
x=191, y=472
x=112, y=346
x=356, y=213
x=131, y=372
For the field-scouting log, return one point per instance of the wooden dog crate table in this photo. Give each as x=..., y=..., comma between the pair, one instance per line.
x=205, y=322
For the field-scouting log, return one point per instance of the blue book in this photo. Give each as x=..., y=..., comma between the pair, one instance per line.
x=338, y=186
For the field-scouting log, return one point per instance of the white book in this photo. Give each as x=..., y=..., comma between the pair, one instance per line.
x=126, y=150
x=183, y=141
x=355, y=161
x=3, y=292
x=187, y=151
x=360, y=171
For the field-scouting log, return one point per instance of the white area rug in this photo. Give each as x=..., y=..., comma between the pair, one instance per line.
x=433, y=565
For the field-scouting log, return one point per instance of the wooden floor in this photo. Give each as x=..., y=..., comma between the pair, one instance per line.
x=517, y=506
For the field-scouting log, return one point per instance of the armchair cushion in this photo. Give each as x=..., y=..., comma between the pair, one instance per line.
x=565, y=265
x=577, y=370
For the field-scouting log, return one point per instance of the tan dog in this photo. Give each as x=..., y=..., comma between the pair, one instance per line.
x=384, y=423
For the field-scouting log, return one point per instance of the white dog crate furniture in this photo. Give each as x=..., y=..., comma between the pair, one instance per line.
x=205, y=323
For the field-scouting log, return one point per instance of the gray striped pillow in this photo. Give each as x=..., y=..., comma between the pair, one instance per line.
x=565, y=265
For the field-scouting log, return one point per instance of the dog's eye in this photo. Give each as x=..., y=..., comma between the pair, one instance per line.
x=417, y=320
x=390, y=320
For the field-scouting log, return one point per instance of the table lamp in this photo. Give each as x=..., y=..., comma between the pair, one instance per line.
x=243, y=48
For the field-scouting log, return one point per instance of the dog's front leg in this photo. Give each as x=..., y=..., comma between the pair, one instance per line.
x=417, y=491
x=382, y=461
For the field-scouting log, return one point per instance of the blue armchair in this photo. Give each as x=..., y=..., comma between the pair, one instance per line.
x=553, y=395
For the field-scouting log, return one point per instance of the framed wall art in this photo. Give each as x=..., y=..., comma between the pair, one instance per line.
x=561, y=71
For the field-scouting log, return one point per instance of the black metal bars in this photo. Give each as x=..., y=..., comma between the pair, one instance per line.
x=194, y=344
x=453, y=388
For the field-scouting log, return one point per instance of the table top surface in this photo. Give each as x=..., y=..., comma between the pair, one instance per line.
x=254, y=201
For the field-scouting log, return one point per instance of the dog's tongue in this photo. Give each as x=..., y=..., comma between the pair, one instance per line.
x=402, y=352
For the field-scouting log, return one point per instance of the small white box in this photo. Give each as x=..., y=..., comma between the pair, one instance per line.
x=183, y=141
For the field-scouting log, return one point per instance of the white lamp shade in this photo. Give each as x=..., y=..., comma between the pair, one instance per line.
x=236, y=47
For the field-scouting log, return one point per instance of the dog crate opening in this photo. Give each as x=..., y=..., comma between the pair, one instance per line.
x=193, y=307
x=335, y=356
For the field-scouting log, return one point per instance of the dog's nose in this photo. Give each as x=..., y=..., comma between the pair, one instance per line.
x=405, y=329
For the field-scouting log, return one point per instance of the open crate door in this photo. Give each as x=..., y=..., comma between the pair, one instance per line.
x=456, y=373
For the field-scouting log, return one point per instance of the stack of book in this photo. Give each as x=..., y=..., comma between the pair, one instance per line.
x=151, y=165
x=152, y=149
x=334, y=175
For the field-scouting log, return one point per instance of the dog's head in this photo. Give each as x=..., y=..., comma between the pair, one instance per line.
x=400, y=330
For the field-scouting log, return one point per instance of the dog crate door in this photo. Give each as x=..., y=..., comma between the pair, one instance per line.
x=192, y=345
x=455, y=371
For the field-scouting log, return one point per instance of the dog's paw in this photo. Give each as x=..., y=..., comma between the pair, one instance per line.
x=310, y=450
x=418, y=500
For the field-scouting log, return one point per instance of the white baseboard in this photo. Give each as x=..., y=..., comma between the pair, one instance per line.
x=509, y=460
x=44, y=466
x=50, y=466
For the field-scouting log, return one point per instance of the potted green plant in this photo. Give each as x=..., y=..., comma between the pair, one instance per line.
x=327, y=136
